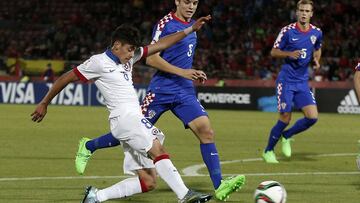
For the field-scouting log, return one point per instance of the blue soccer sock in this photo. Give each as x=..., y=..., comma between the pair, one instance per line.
x=104, y=141
x=211, y=159
x=275, y=135
x=300, y=125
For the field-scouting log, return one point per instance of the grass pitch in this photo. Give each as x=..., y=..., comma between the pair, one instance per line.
x=37, y=159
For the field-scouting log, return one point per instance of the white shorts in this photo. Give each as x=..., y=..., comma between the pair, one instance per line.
x=136, y=135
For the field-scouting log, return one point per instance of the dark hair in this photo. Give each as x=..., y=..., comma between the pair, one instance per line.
x=126, y=34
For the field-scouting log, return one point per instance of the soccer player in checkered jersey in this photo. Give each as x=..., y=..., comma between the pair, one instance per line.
x=298, y=44
x=175, y=91
x=112, y=73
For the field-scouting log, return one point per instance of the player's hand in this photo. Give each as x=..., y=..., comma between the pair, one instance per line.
x=295, y=54
x=193, y=74
x=39, y=112
x=317, y=64
x=201, y=76
x=200, y=22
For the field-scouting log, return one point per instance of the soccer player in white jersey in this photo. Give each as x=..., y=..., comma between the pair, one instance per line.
x=112, y=73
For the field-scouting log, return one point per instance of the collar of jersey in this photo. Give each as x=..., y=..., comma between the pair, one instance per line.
x=178, y=19
x=302, y=31
x=112, y=56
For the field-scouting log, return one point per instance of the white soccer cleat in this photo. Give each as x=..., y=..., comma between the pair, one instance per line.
x=90, y=195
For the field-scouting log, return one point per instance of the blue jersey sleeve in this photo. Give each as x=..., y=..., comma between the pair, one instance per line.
x=281, y=39
x=161, y=29
x=318, y=43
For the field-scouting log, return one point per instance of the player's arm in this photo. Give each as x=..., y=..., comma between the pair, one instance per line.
x=170, y=40
x=357, y=83
x=317, y=56
x=58, y=85
x=278, y=53
x=159, y=63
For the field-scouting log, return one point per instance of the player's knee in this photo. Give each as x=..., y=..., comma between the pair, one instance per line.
x=206, y=135
x=151, y=184
x=148, y=183
x=285, y=117
x=156, y=150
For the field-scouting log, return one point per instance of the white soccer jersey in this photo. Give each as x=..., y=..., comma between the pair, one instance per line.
x=113, y=79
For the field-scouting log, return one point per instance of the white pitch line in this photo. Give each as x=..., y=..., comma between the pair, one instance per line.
x=299, y=173
x=120, y=177
x=193, y=170
x=60, y=178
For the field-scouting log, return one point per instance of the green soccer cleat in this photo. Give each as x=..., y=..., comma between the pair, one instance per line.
x=228, y=186
x=270, y=157
x=82, y=156
x=286, y=146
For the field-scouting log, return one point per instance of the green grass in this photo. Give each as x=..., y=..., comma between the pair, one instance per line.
x=48, y=149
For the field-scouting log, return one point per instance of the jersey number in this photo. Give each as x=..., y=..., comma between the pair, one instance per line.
x=126, y=76
x=303, y=53
x=147, y=123
x=189, y=53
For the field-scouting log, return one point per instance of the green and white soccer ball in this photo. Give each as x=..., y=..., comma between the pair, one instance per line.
x=270, y=192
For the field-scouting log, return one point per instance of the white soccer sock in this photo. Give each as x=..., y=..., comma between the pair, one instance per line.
x=121, y=189
x=171, y=176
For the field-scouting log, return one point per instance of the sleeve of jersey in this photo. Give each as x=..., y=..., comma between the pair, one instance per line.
x=318, y=42
x=88, y=70
x=281, y=39
x=157, y=32
x=357, y=68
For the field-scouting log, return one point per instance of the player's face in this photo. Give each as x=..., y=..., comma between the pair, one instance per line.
x=123, y=51
x=186, y=8
x=304, y=13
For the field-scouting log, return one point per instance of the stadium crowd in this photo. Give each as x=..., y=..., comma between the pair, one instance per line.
x=236, y=44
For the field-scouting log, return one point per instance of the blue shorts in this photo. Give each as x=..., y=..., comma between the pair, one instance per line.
x=185, y=106
x=297, y=93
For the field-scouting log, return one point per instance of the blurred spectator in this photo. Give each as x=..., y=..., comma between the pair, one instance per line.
x=48, y=75
x=15, y=69
x=3, y=67
x=236, y=43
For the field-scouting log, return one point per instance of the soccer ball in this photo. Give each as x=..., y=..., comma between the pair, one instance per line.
x=270, y=192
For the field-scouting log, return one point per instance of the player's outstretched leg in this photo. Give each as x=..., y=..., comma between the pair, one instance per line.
x=228, y=186
x=88, y=146
x=82, y=156
x=223, y=187
x=192, y=196
x=90, y=195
